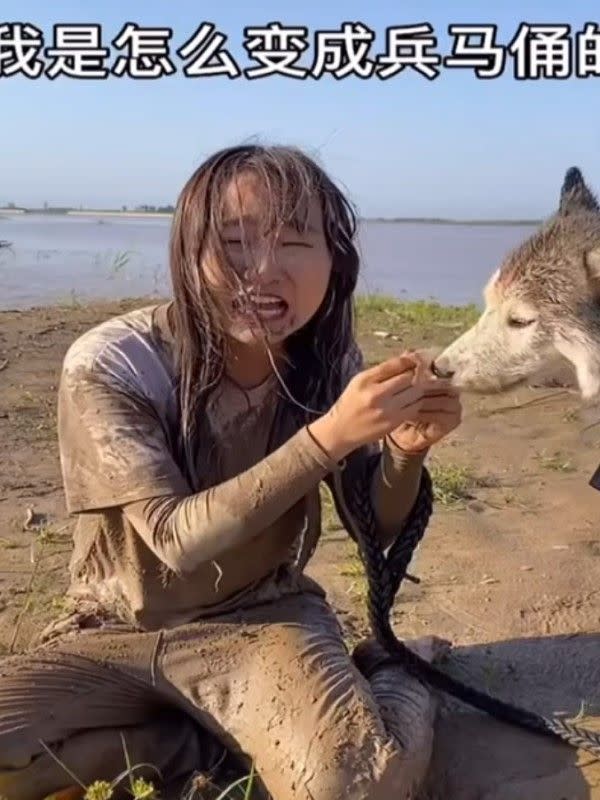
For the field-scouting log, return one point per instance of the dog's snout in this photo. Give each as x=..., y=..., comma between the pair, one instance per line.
x=441, y=369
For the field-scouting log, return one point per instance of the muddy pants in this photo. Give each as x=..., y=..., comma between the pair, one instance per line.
x=274, y=684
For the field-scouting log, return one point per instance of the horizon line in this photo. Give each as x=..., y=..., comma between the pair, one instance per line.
x=155, y=212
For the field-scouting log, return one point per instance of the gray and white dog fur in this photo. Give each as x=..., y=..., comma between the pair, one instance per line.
x=542, y=305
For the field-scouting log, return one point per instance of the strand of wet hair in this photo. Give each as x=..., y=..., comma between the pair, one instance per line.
x=249, y=307
x=384, y=576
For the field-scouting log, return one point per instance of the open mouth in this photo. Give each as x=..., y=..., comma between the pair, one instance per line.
x=265, y=307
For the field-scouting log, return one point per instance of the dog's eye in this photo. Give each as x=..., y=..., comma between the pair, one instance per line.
x=520, y=322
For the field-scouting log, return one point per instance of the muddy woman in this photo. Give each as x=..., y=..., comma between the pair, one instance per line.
x=194, y=435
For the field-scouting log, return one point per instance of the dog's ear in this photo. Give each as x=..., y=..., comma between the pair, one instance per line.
x=592, y=270
x=575, y=194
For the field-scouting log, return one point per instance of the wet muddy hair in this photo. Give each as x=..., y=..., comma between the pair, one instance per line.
x=290, y=180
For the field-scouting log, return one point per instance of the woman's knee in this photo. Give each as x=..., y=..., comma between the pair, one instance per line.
x=327, y=736
x=376, y=768
x=294, y=703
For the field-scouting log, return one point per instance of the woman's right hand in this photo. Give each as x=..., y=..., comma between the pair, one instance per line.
x=374, y=403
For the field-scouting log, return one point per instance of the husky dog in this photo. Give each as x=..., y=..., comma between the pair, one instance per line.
x=542, y=305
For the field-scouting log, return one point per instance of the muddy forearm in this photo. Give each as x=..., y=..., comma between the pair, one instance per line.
x=187, y=531
x=394, y=489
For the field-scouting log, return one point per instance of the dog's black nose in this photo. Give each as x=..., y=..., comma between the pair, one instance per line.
x=441, y=371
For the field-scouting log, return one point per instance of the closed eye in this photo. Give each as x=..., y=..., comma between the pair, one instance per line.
x=520, y=322
x=282, y=244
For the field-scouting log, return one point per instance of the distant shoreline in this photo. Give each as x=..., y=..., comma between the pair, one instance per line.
x=449, y=221
x=166, y=214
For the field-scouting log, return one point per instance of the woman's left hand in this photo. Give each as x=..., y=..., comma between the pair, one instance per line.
x=440, y=414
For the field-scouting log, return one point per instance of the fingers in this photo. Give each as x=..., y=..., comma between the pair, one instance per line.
x=440, y=402
x=432, y=387
x=410, y=400
x=398, y=384
x=438, y=423
x=403, y=389
x=422, y=371
x=406, y=388
x=446, y=409
x=390, y=368
x=408, y=363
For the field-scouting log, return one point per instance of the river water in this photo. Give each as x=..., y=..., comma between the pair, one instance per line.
x=57, y=259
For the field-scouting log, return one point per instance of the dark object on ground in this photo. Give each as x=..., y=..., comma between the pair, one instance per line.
x=386, y=573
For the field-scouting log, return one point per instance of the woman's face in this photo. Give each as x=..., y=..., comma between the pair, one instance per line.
x=286, y=282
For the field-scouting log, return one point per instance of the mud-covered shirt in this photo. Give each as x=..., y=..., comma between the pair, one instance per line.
x=118, y=421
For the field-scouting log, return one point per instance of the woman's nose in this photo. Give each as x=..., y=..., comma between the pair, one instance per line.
x=264, y=265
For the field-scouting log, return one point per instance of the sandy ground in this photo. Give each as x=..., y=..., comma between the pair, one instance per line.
x=509, y=569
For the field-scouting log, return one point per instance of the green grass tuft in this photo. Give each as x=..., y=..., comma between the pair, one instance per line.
x=451, y=483
x=557, y=462
x=379, y=307
x=99, y=790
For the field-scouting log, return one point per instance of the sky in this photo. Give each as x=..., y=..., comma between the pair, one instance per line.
x=454, y=146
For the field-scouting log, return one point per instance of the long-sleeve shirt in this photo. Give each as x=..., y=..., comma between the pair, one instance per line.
x=148, y=547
